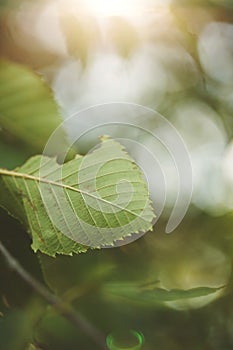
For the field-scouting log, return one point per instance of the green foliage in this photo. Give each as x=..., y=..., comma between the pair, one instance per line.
x=14, y=157
x=103, y=284
x=28, y=110
x=152, y=296
x=90, y=201
x=21, y=325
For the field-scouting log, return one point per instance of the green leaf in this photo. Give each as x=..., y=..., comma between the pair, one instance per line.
x=90, y=201
x=17, y=327
x=11, y=156
x=136, y=293
x=27, y=108
x=31, y=347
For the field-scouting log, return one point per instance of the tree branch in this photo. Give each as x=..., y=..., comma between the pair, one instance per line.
x=61, y=307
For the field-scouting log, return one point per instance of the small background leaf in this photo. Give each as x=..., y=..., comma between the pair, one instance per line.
x=135, y=293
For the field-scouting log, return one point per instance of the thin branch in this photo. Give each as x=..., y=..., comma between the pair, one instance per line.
x=61, y=307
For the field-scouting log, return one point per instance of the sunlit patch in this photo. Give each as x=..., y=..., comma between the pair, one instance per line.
x=111, y=7
x=198, y=266
x=121, y=7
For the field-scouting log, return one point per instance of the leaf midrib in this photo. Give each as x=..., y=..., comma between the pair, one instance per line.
x=6, y=172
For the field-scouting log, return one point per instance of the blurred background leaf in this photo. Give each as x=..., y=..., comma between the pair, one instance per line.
x=27, y=108
x=17, y=327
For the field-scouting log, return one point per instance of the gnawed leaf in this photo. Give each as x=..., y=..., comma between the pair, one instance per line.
x=90, y=201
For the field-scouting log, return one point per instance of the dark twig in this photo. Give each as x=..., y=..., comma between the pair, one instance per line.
x=61, y=307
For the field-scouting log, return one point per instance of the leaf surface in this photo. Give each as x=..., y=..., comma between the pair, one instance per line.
x=28, y=110
x=90, y=201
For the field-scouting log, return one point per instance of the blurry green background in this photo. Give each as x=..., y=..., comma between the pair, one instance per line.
x=177, y=58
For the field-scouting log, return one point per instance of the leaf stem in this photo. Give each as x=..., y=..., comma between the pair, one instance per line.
x=59, y=305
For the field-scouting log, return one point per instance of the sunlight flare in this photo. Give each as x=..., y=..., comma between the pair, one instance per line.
x=118, y=8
